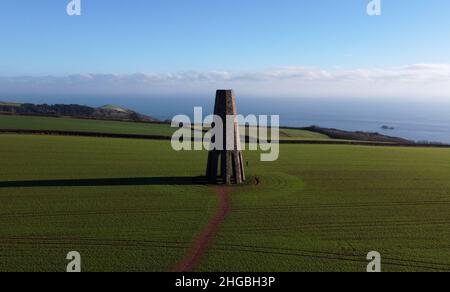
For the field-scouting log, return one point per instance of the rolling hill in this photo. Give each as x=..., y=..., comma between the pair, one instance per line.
x=107, y=112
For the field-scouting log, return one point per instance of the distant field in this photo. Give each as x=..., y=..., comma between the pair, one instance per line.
x=69, y=124
x=287, y=134
x=319, y=208
x=294, y=134
x=115, y=127
x=9, y=103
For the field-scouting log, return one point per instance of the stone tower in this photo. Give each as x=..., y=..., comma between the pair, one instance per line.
x=230, y=162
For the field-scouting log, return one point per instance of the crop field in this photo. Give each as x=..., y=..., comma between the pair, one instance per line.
x=132, y=213
x=117, y=127
x=131, y=205
x=285, y=134
x=81, y=125
x=323, y=208
x=9, y=103
x=294, y=134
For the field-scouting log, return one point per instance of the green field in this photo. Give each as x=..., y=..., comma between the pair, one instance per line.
x=80, y=125
x=116, y=228
x=116, y=127
x=125, y=205
x=9, y=103
x=294, y=134
x=323, y=208
x=288, y=134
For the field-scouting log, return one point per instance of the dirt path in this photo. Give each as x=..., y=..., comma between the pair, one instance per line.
x=200, y=245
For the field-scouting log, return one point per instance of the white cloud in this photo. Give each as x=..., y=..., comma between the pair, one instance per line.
x=413, y=81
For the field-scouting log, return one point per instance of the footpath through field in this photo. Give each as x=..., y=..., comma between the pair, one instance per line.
x=201, y=244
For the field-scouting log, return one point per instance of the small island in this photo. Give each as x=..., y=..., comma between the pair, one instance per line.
x=384, y=127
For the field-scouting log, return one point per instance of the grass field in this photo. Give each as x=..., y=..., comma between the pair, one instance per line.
x=9, y=103
x=80, y=125
x=124, y=205
x=117, y=228
x=287, y=134
x=323, y=208
x=294, y=134
x=116, y=127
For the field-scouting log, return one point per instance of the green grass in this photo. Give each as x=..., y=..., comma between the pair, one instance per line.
x=318, y=208
x=80, y=125
x=115, y=228
x=117, y=127
x=114, y=107
x=323, y=208
x=294, y=134
x=9, y=103
x=290, y=134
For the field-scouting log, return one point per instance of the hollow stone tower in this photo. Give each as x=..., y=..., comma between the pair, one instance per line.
x=230, y=162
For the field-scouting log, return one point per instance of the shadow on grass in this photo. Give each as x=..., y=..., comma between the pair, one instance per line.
x=139, y=181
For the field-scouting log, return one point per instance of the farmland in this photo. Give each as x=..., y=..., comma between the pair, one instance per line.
x=139, y=225
x=323, y=208
x=80, y=125
x=116, y=127
x=130, y=205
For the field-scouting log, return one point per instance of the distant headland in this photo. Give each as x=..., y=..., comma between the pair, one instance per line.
x=106, y=112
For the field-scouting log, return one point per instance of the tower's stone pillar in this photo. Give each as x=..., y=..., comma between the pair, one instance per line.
x=231, y=161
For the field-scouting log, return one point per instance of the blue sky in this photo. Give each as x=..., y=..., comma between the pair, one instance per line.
x=174, y=35
x=236, y=40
